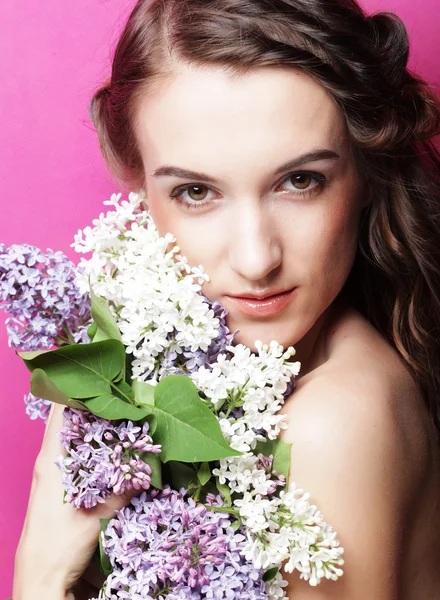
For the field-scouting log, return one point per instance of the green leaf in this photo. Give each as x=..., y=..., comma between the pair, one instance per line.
x=225, y=490
x=34, y=354
x=270, y=574
x=236, y=524
x=187, y=430
x=91, y=331
x=113, y=408
x=123, y=390
x=83, y=370
x=106, y=566
x=107, y=328
x=156, y=467
x=43, y=387
x=280, y=451
x=180, y=475
x=152, y=421
x=100, y=335
x=143, y=393
x=204, y=473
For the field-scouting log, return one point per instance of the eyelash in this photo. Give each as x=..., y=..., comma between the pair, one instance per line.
x=197, y=205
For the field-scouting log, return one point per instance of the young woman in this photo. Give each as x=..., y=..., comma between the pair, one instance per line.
x=288, y=148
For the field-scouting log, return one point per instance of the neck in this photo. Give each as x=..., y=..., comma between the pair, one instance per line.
x=312, y=349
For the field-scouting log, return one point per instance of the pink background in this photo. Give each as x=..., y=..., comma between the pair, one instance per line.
x=53, y=56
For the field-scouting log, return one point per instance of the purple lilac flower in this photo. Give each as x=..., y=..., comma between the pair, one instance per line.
x=190, y=361
x=265, y=463
x=290, y=387
x=102, y=457
x=37, y=408
x=164, y=545
x=39, y=293
x=224, y=337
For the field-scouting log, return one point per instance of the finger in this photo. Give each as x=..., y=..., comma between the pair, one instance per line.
x=51, y=445
x=106, y=510
x=45, y=467
x=55, y=419
x=49, y=418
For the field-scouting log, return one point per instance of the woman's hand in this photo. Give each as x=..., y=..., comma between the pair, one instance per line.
x=58, y=540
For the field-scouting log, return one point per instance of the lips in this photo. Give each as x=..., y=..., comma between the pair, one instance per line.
x=263, y=305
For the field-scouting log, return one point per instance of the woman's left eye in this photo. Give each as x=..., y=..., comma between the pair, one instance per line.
x=303, y=182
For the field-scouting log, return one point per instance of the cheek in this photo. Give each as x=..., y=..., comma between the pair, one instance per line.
x=200, y=239
x=329, y=245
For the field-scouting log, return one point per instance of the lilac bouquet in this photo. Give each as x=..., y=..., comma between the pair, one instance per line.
x=158, y=398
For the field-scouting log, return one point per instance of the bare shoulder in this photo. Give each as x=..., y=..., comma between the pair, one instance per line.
x=361, y=445
x=362, y=398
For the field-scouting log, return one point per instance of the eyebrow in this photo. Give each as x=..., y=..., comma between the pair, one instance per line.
x=315, y=155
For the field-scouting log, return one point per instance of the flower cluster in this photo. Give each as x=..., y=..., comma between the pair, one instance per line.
x=247, y=391
x=102, y=457
x=249, y=473
x=38, y=290
x=165, y=322
x=36, y=408
x=167, y=546
x=289, y=528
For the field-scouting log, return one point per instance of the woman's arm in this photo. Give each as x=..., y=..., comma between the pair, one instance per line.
x=350, y=453
x=58, y=540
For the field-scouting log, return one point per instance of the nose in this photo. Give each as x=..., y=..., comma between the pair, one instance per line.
x=255, y=249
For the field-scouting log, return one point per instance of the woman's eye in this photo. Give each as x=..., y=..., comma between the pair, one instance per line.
x=191, y=194
x=197, y=192
x=303, y=182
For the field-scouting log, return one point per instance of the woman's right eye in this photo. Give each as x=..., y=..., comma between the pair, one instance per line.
x=196, y=195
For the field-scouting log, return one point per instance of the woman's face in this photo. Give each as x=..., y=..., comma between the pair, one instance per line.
x=253, y=177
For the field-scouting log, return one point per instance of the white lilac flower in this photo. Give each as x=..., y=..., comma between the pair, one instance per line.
x=275, y=588
x=289, y=529
x=248, y=390
x=153, y=292
x=249, y=473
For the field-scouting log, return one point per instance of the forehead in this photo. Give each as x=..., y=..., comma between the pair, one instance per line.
x=197, y=115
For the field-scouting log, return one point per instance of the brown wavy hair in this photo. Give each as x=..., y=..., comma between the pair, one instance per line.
x=392, y=117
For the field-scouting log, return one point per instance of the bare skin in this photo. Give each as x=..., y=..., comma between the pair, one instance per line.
x=363, y=445
x=357, y=423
